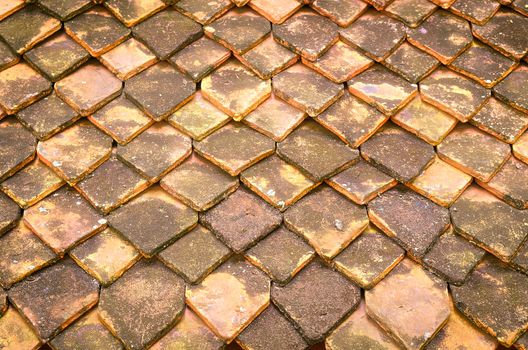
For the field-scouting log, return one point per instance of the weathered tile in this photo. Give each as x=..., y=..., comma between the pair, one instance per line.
x=319, y=153
x=128, y=59
x=3, y=302
x=17, y=147
x=21, y=254
x=235, y=147
x=97, y=31
x=476, y=11
x=412, y=220
x=453, y=93
x=379, y=4
x=275, y=11
x=88, y=88
x=160, y=90
x=520, y=261
x=375, y=34
x=203, y=11
x=275, y=118
x=88, y=333
x=278, y=182
x=316, y=300
x=153, y=220
x=411, y=63
x=327, y=220
x=268, y=58
x=474, y=152
x=306, y=90
x=509, y=183
x=501, y=121
x=410, y=303
x=8, y=7
x=47, y=117
x=520, y=148
x=447, y=3
x=494, y=297
x=178, y=31
x=431, y=36
x=340, y=63
x=27, y=27
x=63, y=219
x=307, y=34
x=131, y=12
x=235, y=89
x=20, y=86
x=361, y=182
x=397, y=153
x=483, y=64
x=155, y=152
x=190, y=332
x=369, y=258
x=140, y=307
x=76, y=151
x=239, y=30
x=341, y=12
x=70, y=292
x=7, y=57
x=359, y=332
x=489, y=222
x=57, y=57
x=410, y=12
x=200, y=58
x=281, y=255
x=230, y=297
x=121, y=119
x=504, y=32
x=241, y=220
x=15, y=333
x=257, y=335
x=65, y=9
x=511, y=90
x=425, y=121
x=382, y=89
x=9, y=214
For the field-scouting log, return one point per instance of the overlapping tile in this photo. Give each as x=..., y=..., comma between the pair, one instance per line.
x=128, y=59
x=10, y=214
x=203, y=11
x=411, y=12
x=411, y=63
x=15, y=333
x=17, y=147
x=511, y=90
x=65, y=9
x=341, y=12
x=131, y=12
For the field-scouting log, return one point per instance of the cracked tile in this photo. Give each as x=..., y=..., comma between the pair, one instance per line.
x=140, y=307
x=511, y=89
x=9, y=214
x=65, y=9
x=17, y=147
x=131, y=12
x=410, y=12
x=15, y=333
x=520, y=148
x=275, y=11
x=203, y=11
x=412, y=220
x=341, y=12
x=509, y=184
x=230, y=298
x=128, y=59
x=411, y=63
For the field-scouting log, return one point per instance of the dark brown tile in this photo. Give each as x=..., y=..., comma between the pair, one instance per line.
x=521, y=7
x=275, y=11
x=511, y=89
x=7, y=57
x=341, y=12
x=10, y=214
x=379, y=4
x=410, y=12
x=132, y=12
x=476, y=11
x=520, y=261
x=203, y=11
x=17, y=147
x=128, y=59
x=411, y=63
x=65, y=9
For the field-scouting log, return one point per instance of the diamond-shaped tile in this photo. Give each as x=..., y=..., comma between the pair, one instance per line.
x=20, y=86
x=128, y=59
x=327, y=220
x=75, y=152
x=275, y=11
x=21, y=254
x=235, y=147
x=65, y=9
x=198, y=183
x=520, y=148
x=200, y=58
x=489, y=222
x=235, y=89
x=143, y=304
x=474, y=152
x=203, y=11
x=369, y=258
x=31, y=184
x=195, y=255
x=241, y=220
x=411, y=63
x=9, y=214
x=7, y=57
x=155, y=152
x=511, y=90
x=230, y=297
x=509, y=183
x=341, y=12
x=239, y=30
x=495, y=298
x=131, y=12
x=153, y=220
x=410, y=12
x=410, y=303
x=316, y=300
x=70, y=292
x=275, y=118
x=374, y=33
x=9, y=7
x=316, y=151
x=15, y=333
x=412, y=220
x=17, y=147
x=121, y=119
x=57, y=57
x=504, y=32
x=307, y=33
x=88, y=88
x=27, y=27
x=178, y=32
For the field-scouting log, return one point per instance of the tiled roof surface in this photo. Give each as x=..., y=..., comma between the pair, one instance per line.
x=186, y=174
